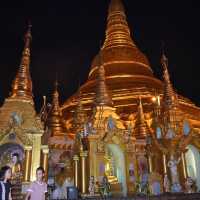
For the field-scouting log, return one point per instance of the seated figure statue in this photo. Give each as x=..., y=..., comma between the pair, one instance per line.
x=105, y=187
x=16, y=166
x=17, y=176
x=189, y=185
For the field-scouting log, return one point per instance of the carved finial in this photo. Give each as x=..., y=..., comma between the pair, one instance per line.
x=117, y=32
x=102, y=95
x=164, y=60
x=169, y=94
x=55, y=120
x=140, y=111
x=141, y=129
x=28, y=36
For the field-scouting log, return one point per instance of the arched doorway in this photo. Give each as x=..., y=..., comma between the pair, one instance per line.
x=119, y=168
x=193, y=164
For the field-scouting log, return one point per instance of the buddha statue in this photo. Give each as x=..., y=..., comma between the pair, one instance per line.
x=16, y=177
x=110, y=168
x=16, y=168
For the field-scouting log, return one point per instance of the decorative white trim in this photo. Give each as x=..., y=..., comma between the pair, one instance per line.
x=39, y=183
x=29, y=190
x=3, y=195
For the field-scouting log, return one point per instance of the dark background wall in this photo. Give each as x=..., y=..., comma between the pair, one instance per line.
x=66, y=37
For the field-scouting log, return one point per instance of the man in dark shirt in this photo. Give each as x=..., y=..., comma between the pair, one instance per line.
x=5, y=189
x=5, y=186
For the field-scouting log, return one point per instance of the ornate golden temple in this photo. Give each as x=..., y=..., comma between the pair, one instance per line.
x=21, y=129
x=123, y=126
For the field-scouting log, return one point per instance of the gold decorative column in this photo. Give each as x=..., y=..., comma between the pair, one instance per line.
x=184, y=165
x=27, y=163
x=76, y=178
x=45, y=152
x=36, y=152
x=136, y=168
x=83, y=156
x=150, y=163
x=164, y=164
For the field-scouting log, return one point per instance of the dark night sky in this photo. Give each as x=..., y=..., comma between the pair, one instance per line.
x=66, y=37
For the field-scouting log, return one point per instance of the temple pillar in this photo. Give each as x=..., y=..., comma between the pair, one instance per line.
x=76, y=177
x=83, y=156
x=27, y=163
x=136, y=164
x=36, y=154
x=164, y=163
x=184, y=165
x=45, y=152
x=93, y=160
x=150, y=163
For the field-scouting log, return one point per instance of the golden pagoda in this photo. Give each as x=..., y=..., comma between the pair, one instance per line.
x=141, y=130
x=136, y=145
x=59, y=140
x=55, y=122
x=128, y=73
x=21, y=129
x=123, y=126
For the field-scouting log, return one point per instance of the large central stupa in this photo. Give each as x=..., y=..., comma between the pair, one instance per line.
x=128, y=72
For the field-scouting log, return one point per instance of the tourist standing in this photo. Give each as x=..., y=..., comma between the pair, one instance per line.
x=38, y=188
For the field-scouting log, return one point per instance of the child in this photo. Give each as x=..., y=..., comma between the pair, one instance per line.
x=5, y=186
x=37, y=188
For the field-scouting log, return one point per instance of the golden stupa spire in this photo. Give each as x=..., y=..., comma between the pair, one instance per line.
x=102, y=95
x=22, y=84
x=141, y=129
x=79, y=114
x=169, y=94
x=55, y=121
x=171, y=114
x=117, y=32
x=119, y=51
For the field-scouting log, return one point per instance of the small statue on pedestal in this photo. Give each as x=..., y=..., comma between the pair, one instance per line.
x=16, y=180
x=172, y=164
x=189, y=185
x=91, y=188
x=166, y=183
x=16, y=169
x=105, y=187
